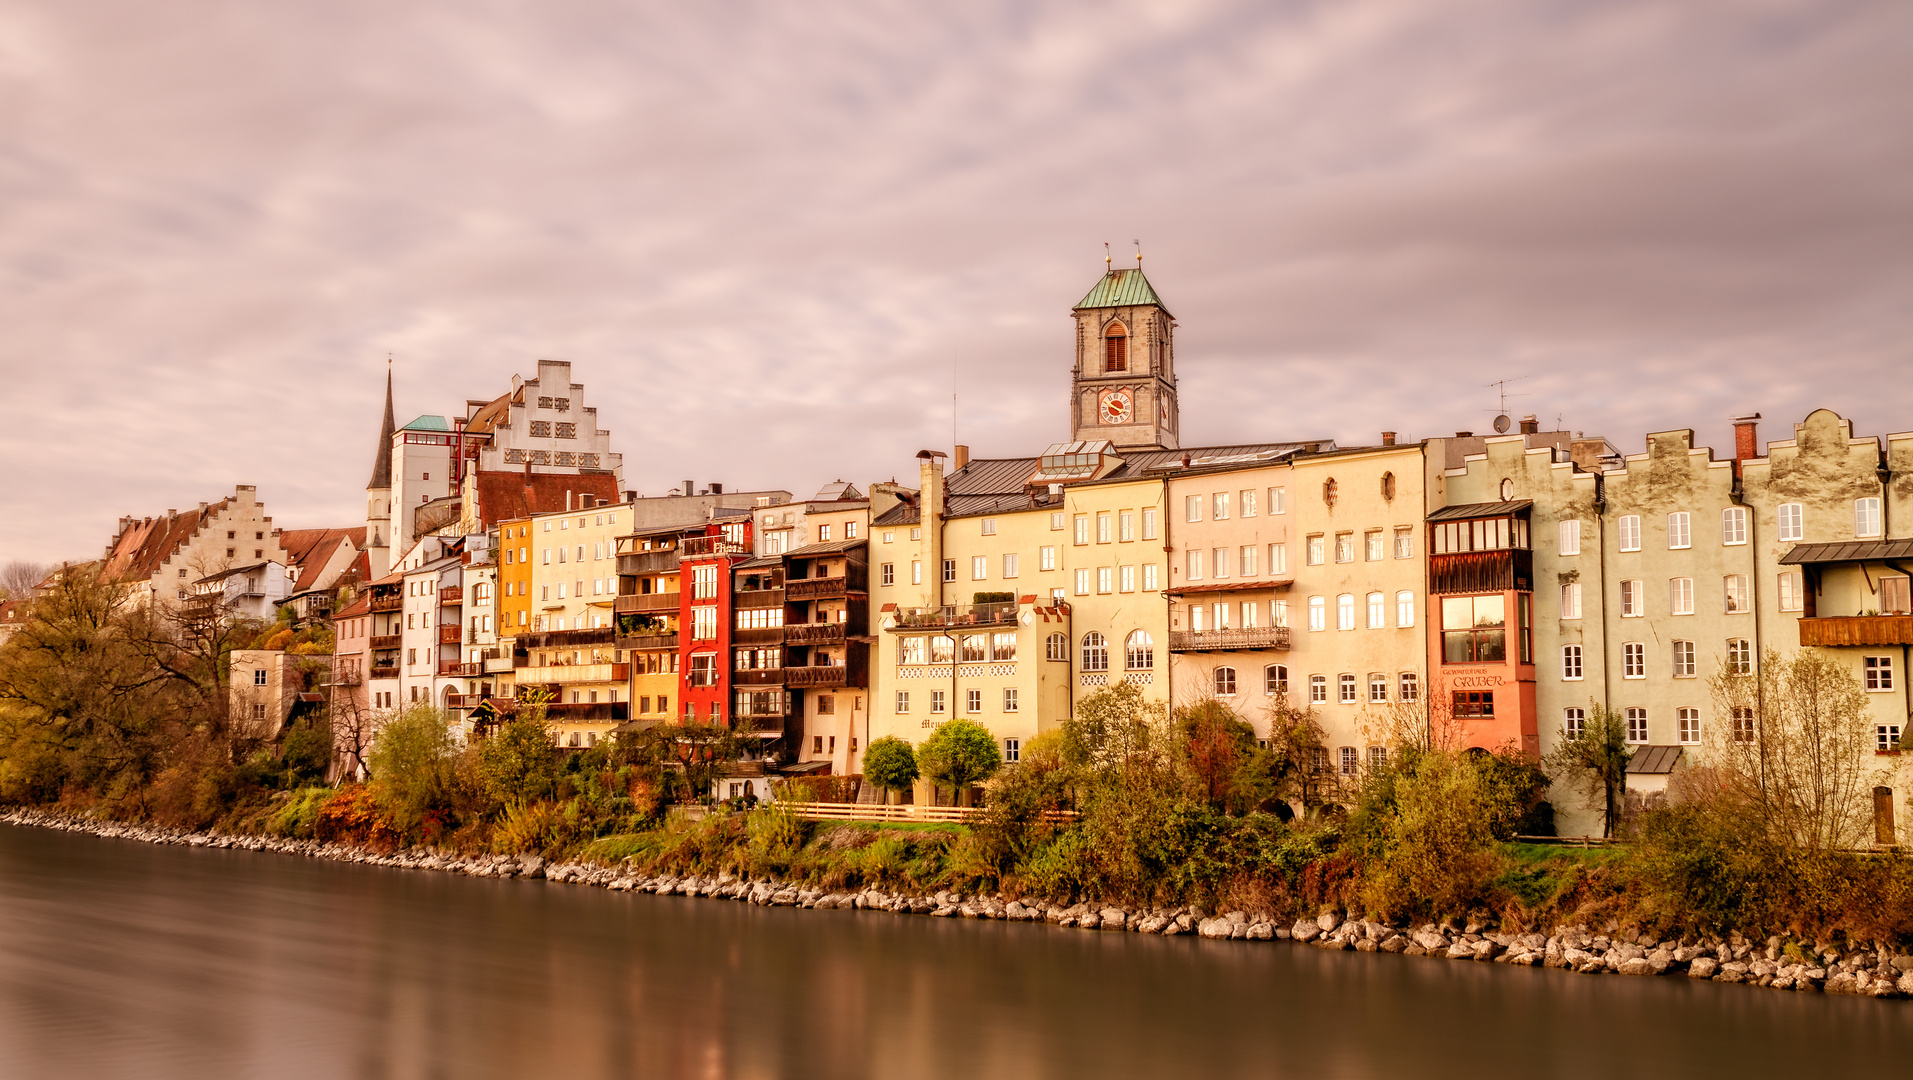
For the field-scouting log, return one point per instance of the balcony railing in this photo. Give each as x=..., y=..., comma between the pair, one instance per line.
x=498, y=665
x=460, y=670
x=450, y=635
x=388, y=603
x=346, y=678
x=758, y=677
x=387, y=641
x=567, y=674
x=463, y=701
x=1857, y=630
x=1003, y=614
x=649, y=562
x=588, y=711
x=758, y=635
x=699, y=547
x=1269, y=637
x=638, y=603
x=649, y=642
x=378, y=672
x=451, y=594
x=816, y=588
x=814, y=634
x=815, y=676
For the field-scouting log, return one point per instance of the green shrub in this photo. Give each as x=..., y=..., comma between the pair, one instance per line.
x=890, y=763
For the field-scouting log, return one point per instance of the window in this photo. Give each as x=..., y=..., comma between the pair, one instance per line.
x=1278, y=500
x=1574, y=722
x=1219, y=565
x=1009, y=702
x=1149, y=577
x=1886, y=737
x=1680, y=532
x=1630, y=530
x=1378, y=757
x=1012, y=748
x=1139, y=651
x=259, y=677
x=1318, y=613
x=1103, y=580
x=916, y=572
x=1410, y=686
x=1736, y=589
x=1377, y=611
x=1009, y=564
x=1377, y=689
x=1095, y=652
x=1116, y=348
x=949, y=570
x=1474, y=629
x=915, y=534
x=1278, y=558
x=1404, y=608
x=1225, y=682
x=1197, y=613
x=1570, y=537
x=1631, y=605
x=1349, y=759
x=942, y=649
x=850, y=530
x=1633, y=660
x=979, y=567
x=973, y=701
x=1221, y=503
x=1789, y=521
x=1680, y=596
x=1082, y=582
x=1275, y=680
x=1373, y=546
x=704, y=583
x=1866, y=517
x=823, y=532
x=1046, y=558
x=1056, y=647
x=1346, y=689
x=1571, y=663
x=1055, y=521
x=1149, y=523
x=989, y=526
x=1345, y=611
x=1894, y=596
x=889, y=538
x=1636, y=725
x=703, y=623
x=1245, y=503
x=1689, y=726
x=1081, y=534
x=1345, y=547
x=936, y=702
x=1571, y=600
x=1126, y=526
x=973, y=648
x=1790, y=595
x=1317, y=550
x=1194, y=570
x=1192, y=508
x=1684, y=665
x=887, y=574
x=1318, y=689
x=704, y=669
x=1733, y=525
x=1879, y=674
x=1103, y=534
x=1474, y=703
x=1740, y=657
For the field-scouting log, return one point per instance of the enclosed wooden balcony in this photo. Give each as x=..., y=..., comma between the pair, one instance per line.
x=648, y=642
x=587, y=712
x=387, y=641
x=574, y=674
x=814, y=634
x=1840, y=630
x=394, y=602
x=450, y=635
x=451, y=595
x=815, y=676
x=1268, y=637
x=388, y=671
x=829, y=588
x=648, y=562
x=758, y=677
x=642, y=603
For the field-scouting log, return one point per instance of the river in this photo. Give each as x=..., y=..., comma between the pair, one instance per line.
x=120, y=959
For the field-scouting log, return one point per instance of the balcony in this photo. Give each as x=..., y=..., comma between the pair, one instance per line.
x=345, y=678
x=642, y=603
x=451, y=596
x=1481, y=572
x=570, y=674
x=814, y=634
x=463, y=701
x=458, y=670
x=648, y=562
x=796, y=677
x=1857, y=630
x=585, y=712
x=451, y=634
x=383, y=672
x=759, y=598
x=758, y=677
x=829, y=588
x=1268, y=637
x=704, y=547
x=498, y=665
x=566, y=639
x=936, y=618
x=758, y=635
x=387, y=641
x=648, y=642
x=388, y=603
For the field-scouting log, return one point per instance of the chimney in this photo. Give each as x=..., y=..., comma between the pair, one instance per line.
x=1746, y=445
x=567, y=500
x=1529, y=425
x=1464, y=434
x=1388, y=438
x=962, y=457
x=717, y=488
x=688, y=485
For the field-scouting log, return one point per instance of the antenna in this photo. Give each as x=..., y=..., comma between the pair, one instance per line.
x=1502, y=422
x=1138, y=244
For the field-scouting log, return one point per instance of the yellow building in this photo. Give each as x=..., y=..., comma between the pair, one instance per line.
x=569, y=647
x=647, y=615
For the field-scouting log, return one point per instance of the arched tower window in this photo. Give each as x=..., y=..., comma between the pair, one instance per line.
x=1115, y=348
x=1139, y=651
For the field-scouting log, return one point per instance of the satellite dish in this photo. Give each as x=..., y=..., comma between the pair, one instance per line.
x=1502, y=423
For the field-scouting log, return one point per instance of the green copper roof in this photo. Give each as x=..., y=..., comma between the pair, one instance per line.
x=428, y=423
x=1122, y=288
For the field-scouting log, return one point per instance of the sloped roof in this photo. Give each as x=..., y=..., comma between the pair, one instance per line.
x=989, y=485
x=311, y=549
x=428, y=423
x=830, y=547
x=138, y=552
x=486, y=419
x=1653, y=760
x=1848, y=551
x=382, y=461
x=360, y=605
x=504, y=495
x=1465, y=511
x=1121, y=288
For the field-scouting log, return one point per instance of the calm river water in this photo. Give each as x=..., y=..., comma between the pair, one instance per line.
x=119, y=959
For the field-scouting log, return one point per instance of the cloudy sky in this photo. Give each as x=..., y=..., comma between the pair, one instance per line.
x=775, y=238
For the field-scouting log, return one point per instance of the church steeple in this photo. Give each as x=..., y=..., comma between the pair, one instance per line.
x=1123, y=388
x=382, y=463
x=378, y=493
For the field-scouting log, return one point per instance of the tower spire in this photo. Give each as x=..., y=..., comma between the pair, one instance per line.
x=382, y=463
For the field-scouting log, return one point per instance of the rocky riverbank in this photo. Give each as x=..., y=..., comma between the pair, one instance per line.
x=1873, y=971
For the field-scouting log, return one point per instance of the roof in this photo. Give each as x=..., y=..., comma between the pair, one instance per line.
x=759, y=562
x=989, y=485
x=382, y=461
x=1653, y=760
x=505, y=495
x=834, y=547
x=1464, y=511
x=837, y=491
x=142, y=546
x=312, y=549
x=1232, y=586
x=486, y=418
x=1848, y=551
x=1121, y=288
x=428, y=423
x=360, y=605
x=249, y=567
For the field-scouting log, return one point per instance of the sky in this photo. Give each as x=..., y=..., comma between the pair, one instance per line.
x=776, y=239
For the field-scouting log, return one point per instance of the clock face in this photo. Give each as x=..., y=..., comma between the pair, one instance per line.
x=1117, y=407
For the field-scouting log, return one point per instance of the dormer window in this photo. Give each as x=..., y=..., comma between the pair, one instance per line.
x=1116, y=348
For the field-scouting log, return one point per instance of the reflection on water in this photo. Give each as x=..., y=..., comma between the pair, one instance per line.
x=121, y=959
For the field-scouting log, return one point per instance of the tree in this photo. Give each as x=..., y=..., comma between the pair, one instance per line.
x=1595, y=762
x=1798, y=743
x=961, y=754
x=1115, y=725
x=891, y=764
x=411, y=764
x=518, y=760
x=1218, y=748
x=696, y=754
x=19, y=578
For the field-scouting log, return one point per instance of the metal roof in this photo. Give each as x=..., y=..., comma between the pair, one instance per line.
x=1848, y=551
x=1653, y=760
x=1121, y=288
x=1466, y=511
x=1233, y=586
x=428, y=423
x=833, y=547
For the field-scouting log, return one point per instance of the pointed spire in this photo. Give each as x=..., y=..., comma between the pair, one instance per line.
x=382, y=464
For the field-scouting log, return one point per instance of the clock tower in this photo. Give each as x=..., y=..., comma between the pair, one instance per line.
x=1124, y=386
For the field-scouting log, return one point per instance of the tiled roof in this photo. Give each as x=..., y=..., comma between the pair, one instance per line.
x=1464, y=511
x=990, y=485
x=1121, y=288
x=504, y=495
x=832, y=547
x=312, y=549
x=138, y=552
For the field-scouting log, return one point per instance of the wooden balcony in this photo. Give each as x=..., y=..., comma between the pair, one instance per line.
x=460, y=670
x=498, y=665
x=648, y=642
x=829, y=588
x=642, y=603
x=1838, y=630
x=705, y=547
x=1269, y=637
x=378, y=672
x=815, y=676
x=349, y=677
x=388, y=603
x=1481, y=572
x=648, y=562
x=570, y=674
x=814, y=634
x=758, y=635
x=451, y=595
x=758, y=677
x=387, y=641
x=759, y=598
x=451, y=634
x=588, y=712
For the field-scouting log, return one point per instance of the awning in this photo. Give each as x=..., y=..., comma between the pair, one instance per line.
x=1653, y=761
x=1848, y=551
x=1469, y=511
x=1232, y=586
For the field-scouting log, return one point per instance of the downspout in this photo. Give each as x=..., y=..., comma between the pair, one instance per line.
x=1600, y=532
x=1739, y=497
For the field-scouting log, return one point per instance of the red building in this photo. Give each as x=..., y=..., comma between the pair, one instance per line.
x=705, y=565
x=1481, y=647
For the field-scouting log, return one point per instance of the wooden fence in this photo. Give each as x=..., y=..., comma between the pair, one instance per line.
x=825, y=811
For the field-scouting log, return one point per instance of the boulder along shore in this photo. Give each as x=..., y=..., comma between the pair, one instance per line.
x=1874, y=971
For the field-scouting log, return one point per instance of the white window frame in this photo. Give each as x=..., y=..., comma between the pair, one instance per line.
x=1570, y=537
x=1790, y=522
x=1405, y=608
x=1635, y=718
x=1733, y=526
x=1680, y=596
x=1680, y=530
x=1572, y=668
x=1689, y=731
x=1632, y=595
x=1866, y=517
x=1686, y=666
x=1628, y=532
x=1878, y=672
x=1377, y=610
x=1571, y=600
x=1633, y=660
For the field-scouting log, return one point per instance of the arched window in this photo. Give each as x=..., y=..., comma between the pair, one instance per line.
x=1095, y=652
x=1116, y=348
x=1388, y=487
x=1139, y=651
x=1328, y=491
x=1056, y=647
x=1225, y=682
x=1275, y=680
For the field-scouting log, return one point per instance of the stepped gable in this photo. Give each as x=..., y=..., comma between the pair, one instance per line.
x=504, y=496
x=137, y=553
